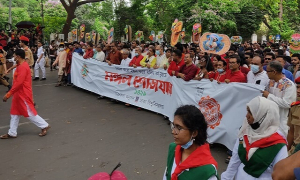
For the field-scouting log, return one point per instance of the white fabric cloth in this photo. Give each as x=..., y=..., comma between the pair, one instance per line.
x=255, y=78
x=40, y=52
x=235, y=166
x=38, y=66
x=161, y=61
x=297, y=74
x=264, y=111
x=100, y=56
x=37, y=120
x=174, y=167
x=283, y=93
x=125, y=62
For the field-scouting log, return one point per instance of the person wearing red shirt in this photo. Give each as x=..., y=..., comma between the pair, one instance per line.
x=220, y=75
x=3, y=39
x=115, y=56
x=22, y=101
x=234, y=74
x=187, y=71
x=89, y=53
x=176, y=63
x=135, y=62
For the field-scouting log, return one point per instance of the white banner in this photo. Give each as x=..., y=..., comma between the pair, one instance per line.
x=223, y=105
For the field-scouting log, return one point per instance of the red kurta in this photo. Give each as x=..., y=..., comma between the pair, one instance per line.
x=21, y=91
x=175, y=67
x=237, y=76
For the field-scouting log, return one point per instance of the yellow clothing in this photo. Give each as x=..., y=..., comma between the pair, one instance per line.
x=146, y=60
x=294, y=120
x=28, y=56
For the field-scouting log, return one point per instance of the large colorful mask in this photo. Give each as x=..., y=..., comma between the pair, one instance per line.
x=82, y=29
x=271, y=38
x=74, y=34
x=176, y=30
x=93, y=33
x=139, y=35
x=295, y=43
x=236, y=39
x=196, y=33
x=152, y=36
x=214, y=43
x=182, y=36
x=128, y=33
x=88, y=37
x=160, y=37
x=110, y=35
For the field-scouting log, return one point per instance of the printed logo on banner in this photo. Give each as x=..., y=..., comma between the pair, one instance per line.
x=84, y=70
x=211, y=111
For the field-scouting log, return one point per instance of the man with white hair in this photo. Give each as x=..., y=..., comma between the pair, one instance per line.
x=125, y=59
x=161, y=59
x=136, y=59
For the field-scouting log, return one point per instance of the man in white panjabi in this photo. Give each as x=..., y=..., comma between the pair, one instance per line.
x=161, y=58
x=40, y=63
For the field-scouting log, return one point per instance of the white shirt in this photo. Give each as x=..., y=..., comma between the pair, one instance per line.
x=161, y=60
x=287, y=53
x=235, y=166
x=255, y=78
x=125, y=62
x=40, y=52
x=297, y=75
x=100, y=56
x=132, y=53
x=283, y=93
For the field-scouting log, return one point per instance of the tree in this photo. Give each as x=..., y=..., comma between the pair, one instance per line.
x=70, y=6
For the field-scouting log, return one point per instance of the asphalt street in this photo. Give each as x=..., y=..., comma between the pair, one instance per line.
x=87, y=136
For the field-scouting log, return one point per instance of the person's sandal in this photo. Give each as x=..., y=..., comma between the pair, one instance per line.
x=7, y=136
x=44, y=131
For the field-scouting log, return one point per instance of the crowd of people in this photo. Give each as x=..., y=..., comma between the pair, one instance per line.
x=272, y=122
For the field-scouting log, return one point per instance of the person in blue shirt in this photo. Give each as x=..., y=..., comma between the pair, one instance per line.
x=77, y=48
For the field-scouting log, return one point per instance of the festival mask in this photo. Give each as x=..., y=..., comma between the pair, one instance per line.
x=152, y=36
x=110, y=35
x=196, y=33
x=271, y=38
x=176, y=30
x=295, y=43
x=236, y=39
x=215, y=43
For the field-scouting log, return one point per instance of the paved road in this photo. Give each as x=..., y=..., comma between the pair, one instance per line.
x=87, y=136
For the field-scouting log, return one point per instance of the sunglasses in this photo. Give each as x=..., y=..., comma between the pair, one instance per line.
x=268, y=59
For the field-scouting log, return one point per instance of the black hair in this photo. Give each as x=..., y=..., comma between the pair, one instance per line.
x=280, y=52
x=61, y=45
x=194, y=120
x=193, y=49
x=179, y=46
x=267, y=50
x=296, y=55
x=209, y=66
x=20, y=52
x=249, y=54
x=218, y=57
x=25, y=42
x=178, y=52
x=249, y=49
x=169, y=49
x=237, y=57
x=224, y=62
x=281, y=56
x=271, y=54
x=91, y=44
x=262, y=60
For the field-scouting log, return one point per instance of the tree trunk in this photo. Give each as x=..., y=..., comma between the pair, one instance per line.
x=280, y=10
x=70, y=17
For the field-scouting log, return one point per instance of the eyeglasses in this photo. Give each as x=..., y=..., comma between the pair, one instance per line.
x=268, y=59
x=247, y=57
x=177, y=128
x=202, y=60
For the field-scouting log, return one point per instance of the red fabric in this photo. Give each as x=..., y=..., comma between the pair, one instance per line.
x=220, y=77
x=200, y=157
x=295, y=103
x=69, y=61
x=1, y=47
x=237, y=76
x=3, y=42
x=21, y=91
x=244, y=70
x=24, y=38
x=297, y=81
x=211, y=74
x=188, y=71
x=136, y=60
x=115, y=57
x=89, y=53
x=175, y=67
x=265, y=142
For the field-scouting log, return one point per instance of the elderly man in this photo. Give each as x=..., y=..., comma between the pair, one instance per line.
x=125, y=59
x=282, y=91
x=257, y=75
x=99, y=55
x=161, y=59
x=137, y=58
x=287, y=73
x=188, y=70
x=115, y=56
